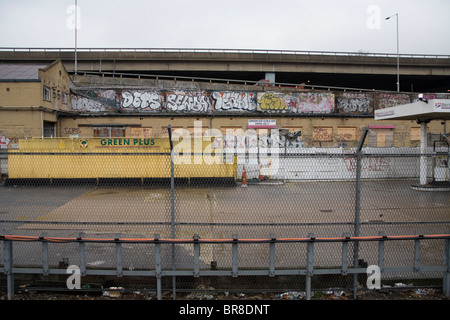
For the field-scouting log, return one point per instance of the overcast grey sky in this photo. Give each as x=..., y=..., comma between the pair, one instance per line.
x=319, y=25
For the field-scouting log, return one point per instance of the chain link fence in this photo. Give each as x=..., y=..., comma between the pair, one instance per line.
x=213, y=191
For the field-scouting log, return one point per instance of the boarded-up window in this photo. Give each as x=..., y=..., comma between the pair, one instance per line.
x=232, y=130
x=176, y=131
x=323, y=133
x=293, y=129
x=141, y=132
x=346, y=133
x=381, y=138
x=202, y=130
x=415, y=134
x=107, y=132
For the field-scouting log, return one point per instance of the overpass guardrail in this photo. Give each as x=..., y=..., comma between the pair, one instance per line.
x=219, y=50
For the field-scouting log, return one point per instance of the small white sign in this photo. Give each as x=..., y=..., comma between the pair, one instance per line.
x=262, y=123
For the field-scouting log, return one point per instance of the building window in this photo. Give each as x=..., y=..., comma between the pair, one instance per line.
x=415, y=134
x=176, y=132
x=49, y=129
x=323, y=134
x=109, y=132
x=64, y=97
x=381, y=138
x=138, y=132
x=47, y=94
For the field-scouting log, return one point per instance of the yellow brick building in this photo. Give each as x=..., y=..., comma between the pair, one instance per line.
x=44, y=101
x=31, y=98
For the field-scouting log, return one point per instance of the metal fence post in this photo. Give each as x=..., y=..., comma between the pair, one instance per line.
x=309, y=265
x=8, y=262
x=358, y=208
x=172, y=207
x=446, y=278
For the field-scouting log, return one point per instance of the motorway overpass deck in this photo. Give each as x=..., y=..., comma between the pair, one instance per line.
x=346, y=69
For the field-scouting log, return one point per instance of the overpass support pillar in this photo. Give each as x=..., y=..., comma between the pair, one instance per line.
x=270, y=77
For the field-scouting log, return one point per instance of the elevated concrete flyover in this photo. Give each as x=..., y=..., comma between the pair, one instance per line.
x=327, y=68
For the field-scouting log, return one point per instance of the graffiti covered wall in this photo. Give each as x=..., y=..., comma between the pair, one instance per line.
x=307, y=103
x=354, y=103
x=191, y=101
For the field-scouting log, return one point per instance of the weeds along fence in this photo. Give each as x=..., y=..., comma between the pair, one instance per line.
x=296, y=220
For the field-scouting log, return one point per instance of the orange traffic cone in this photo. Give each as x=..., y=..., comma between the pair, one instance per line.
x=244, y=179
x=260, y=178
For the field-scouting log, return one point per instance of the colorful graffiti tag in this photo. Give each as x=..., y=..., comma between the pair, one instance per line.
x=359, y=103
x=191, y=101
x=234, y=101
x=308, y=103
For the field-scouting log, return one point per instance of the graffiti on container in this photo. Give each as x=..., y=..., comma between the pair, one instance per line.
x=234, y=101
x=371, y=164
x=141, y=101
x=188, y=101
x=391, y=100
x=361, y=103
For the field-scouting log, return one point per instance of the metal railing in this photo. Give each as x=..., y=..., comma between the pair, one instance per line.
x=308, y=270
x=220, y=50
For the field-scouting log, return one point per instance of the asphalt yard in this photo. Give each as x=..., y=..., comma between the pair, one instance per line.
x=293, y=209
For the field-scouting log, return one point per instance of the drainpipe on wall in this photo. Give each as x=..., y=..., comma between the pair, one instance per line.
x=42, y=125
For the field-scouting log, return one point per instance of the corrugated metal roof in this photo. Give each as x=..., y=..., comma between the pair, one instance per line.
x=20, y=71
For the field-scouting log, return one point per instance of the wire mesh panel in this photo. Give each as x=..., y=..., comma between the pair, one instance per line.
x=147, y=188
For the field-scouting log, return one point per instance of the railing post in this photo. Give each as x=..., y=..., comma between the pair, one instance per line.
x=446, y=278
x=309, y=265
x=272, y=256
x=417, y=255
x=196, y=256
x=82, y=252
x=158, y=266
x=344, y=269
x=8, y=262
x=119, y=267
x=45, y=267
x=234, y=249
x=381, y=252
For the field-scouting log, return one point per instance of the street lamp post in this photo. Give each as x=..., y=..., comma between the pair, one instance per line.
x=398, y=54
x=76, y=36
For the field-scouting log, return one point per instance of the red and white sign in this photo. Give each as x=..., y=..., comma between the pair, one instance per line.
x=262, y=124
x=4, y=141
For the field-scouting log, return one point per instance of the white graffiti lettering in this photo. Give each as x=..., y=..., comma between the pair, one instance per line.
x=238, y=101
x=85, y=104
x=355, y=103
x=188, y=102
x=392, y=100
x=141, y=100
